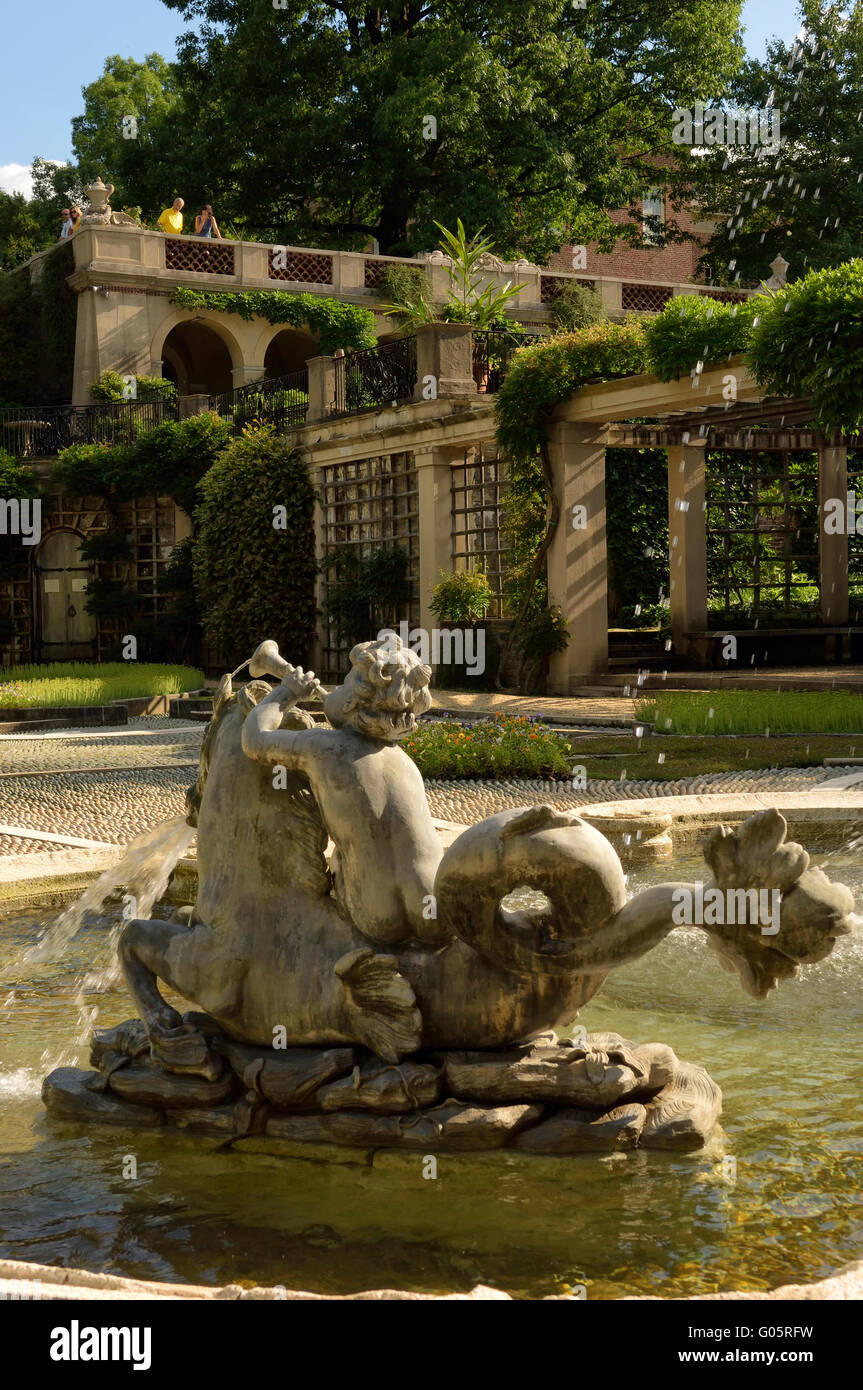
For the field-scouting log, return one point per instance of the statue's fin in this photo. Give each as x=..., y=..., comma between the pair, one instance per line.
x=381, y=1003
x=542, y=817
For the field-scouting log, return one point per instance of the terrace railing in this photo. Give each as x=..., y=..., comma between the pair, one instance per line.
x=375, y=377
x=492, y=351
x=281, y=401
x=39, y=431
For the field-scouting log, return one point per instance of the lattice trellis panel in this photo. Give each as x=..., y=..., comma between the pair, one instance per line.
x=16, y=612
x=370, y=503
x=200, y=253
x=550, y=286
x=855, y=539
x=724, y=296
x=477, y=489
x=762, y=533
x=307, y=267
x=645, y=298
x=374, y=272
x=151, y=525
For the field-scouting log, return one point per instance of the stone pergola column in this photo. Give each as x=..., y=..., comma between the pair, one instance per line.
x=577, y=559
x=687, y=542
x=434, y=484
x=833, y=548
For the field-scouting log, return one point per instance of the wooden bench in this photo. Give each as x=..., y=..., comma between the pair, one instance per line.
x=705, y=647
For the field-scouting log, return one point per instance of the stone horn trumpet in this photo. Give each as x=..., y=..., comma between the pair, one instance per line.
x=266, y=661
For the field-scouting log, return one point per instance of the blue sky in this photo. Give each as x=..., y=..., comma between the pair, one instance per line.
x=54, y=48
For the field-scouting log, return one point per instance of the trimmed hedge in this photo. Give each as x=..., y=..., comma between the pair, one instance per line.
x=809, y=342
x=692, y=329
x=253, y=580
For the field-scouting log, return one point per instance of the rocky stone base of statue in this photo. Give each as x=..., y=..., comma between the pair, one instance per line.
x=547, y=1096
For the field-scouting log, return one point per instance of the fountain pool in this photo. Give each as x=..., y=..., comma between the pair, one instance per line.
x=209, y=1212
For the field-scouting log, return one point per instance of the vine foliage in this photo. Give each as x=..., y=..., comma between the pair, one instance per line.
x=337, y=325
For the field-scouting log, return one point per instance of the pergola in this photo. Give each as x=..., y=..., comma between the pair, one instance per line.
x=687, y=417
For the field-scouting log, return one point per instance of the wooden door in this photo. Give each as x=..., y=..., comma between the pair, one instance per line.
x=66, y=631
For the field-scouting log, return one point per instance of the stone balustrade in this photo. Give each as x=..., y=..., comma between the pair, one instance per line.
x=153, y=261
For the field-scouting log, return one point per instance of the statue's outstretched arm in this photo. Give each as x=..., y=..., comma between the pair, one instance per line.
x=263, y=738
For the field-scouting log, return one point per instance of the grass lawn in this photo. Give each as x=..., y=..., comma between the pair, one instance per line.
x=753, y=712
x=609, y=756
x=84, y=683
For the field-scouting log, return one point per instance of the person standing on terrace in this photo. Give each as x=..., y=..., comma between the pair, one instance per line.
x=171, y=220
x=206, y=224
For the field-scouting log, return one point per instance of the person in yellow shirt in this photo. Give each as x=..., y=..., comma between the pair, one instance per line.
x=171, y=220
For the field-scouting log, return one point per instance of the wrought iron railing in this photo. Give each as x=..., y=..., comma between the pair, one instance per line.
x=281, y=401
x=38, y=431
x=492, y=351
x=375, y=377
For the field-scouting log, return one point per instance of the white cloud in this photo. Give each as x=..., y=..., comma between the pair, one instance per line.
x=16, y=178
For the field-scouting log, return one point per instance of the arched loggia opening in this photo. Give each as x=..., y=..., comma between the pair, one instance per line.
x=289, y=351
x=196, y=358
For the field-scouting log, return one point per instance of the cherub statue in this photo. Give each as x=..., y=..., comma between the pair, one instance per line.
x=328, y=911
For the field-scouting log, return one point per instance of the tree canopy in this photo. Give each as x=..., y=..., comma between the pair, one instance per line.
x=806, y=201
x=333, y=123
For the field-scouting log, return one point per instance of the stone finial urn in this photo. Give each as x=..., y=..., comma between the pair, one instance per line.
x=98, y=207
x=778, y=279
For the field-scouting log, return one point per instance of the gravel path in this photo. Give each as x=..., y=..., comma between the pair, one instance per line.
x=120, y=803
x=471, y=801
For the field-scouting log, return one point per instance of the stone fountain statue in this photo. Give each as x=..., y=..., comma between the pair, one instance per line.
x=358, y=984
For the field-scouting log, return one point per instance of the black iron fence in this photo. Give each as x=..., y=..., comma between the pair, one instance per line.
x=37, y=431
x=281, y=401
x=492, y=351
x=375, y=377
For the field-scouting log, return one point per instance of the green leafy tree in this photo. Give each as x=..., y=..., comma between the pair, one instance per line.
x=30, y=225
x=20, y=232
x=806, y=201
x=133, y=133
x=526, y=117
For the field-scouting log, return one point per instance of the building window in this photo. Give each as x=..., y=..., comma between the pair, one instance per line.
x=653, y=214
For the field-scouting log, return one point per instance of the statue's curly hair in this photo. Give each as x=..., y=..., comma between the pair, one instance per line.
x=388, y=689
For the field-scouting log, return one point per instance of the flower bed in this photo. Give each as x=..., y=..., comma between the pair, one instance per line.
x=501, y=745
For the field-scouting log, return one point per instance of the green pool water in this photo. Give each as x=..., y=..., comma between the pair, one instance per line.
x=198, y=1211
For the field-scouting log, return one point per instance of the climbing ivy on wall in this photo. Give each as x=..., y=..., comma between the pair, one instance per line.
x=338, y=325
x=37, y=331
x=538, y=379
x=636, y=518
x=168, y=461
x=254, y=578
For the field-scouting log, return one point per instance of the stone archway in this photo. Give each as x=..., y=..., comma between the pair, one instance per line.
x=65, y=631
x=288, y=351
x=196, y=357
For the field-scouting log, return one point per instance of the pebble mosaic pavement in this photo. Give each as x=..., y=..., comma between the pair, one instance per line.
x=144, y=775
